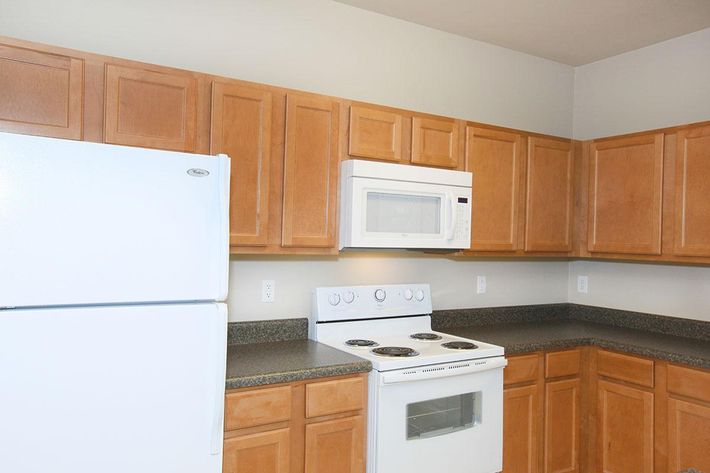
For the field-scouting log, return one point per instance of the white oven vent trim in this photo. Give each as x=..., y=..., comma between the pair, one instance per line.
x=442, y=371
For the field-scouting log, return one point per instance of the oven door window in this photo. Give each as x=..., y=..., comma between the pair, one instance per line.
x=403, y=213
x=443, y=415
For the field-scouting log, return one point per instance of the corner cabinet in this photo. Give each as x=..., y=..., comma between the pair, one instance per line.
x=625, y=195
x=311, y=167
x=315, y=426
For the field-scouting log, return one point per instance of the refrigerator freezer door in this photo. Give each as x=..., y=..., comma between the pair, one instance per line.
x=135, y=389
x=89, y=223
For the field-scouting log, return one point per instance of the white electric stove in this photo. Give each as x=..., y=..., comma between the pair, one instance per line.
x=435, y=400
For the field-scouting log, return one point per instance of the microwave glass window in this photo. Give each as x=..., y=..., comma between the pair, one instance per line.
x=402, y=213
x=443, y=415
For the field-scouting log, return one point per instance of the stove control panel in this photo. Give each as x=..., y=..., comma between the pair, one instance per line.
x=367, y=302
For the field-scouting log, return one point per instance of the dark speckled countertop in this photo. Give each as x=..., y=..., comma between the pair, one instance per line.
x=535, y=328
x=281, y=353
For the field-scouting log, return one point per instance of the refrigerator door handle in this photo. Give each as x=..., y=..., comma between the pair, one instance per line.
x=216, y=436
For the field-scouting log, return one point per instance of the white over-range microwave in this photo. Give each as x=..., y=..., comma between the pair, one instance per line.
x=386, y=205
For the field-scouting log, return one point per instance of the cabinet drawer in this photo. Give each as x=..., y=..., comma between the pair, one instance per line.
x=333, y=397
x=689, y=382
x=625, y=368
x=562, y=363
x=522, y=369
x=258, y=407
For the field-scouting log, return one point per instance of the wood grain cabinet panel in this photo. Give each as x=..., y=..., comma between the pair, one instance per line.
x=495, y=158
x=626, y=368
x=336, y=446
x=332, y=397
x=522, y=369
x=250, y=408
x=563, y=363
x=692, y=222
x=625, y=429
x=41, y=93
x=562, y=426
x=310, y=172
x=241, y=128
x=435, y=142
x=521, y=429
x=549, y=195
x=375, y=134
x=263, y=452
x=688, y=436
x=625, y=195
x=150, y=109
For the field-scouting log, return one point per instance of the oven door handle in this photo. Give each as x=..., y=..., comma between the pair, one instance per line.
x=442, y=371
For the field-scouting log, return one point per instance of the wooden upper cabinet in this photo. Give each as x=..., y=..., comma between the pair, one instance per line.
x=310, y=172
x=692, y=199
x=150, y=109
x=625, y=429
x=41, y=93
x=435, y=142
x=241, y=128
x=375, y=134
x=549, y=195
x=495, y=158
x=625, y=195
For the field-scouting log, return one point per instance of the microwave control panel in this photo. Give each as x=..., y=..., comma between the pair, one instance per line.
x=463, y=219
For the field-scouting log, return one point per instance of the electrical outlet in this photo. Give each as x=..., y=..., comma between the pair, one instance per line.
x=583, y=284
x=268, y=290
x=480, y=284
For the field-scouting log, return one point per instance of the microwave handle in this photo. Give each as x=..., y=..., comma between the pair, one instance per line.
x=452, y=217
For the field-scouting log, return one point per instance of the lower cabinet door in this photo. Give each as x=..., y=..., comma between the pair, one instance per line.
x=336, y=446
x=521, y=429
x=625, y=429
x=263, y=452
x=562, y=426
x=688, y=436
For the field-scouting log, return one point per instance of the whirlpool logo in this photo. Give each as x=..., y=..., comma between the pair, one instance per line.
x=197, y=172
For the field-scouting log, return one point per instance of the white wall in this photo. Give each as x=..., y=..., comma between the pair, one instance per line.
x=452, y=281
x=680, y=291
x=661, y=85
x=315, y=45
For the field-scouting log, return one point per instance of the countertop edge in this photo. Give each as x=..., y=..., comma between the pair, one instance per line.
x=363, y=366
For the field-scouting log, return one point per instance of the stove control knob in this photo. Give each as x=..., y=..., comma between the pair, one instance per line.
x=334, y=299
x=348, y=297
x=419, y=295
x=408, y=294
x=380, y=295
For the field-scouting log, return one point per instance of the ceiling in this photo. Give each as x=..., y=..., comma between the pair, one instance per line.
x=573, y=32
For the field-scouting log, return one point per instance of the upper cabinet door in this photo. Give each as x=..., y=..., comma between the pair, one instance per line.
x=150, y=109
x=40, y=93
x=692, y=195
x=241, y=128
x=549, y=199
x=375, y=134
x=310, y=172
x=625, y=194
x=495, y=158
x=435, y=142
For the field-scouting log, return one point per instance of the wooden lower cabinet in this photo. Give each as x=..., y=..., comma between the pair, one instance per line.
x=292, y=428
x=335, y=446
x=688, y=435
x=521, y=426
x=625, y=428
x=562, y=426
x=263, y=452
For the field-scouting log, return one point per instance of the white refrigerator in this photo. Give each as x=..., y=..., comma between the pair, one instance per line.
x=113, y=272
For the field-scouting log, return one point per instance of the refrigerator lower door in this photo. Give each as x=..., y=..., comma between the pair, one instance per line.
x=90, y=223
x=136, y=389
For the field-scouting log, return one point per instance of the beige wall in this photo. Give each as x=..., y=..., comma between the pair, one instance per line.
x=661, y=85
x=452, y=281
x=315, y=45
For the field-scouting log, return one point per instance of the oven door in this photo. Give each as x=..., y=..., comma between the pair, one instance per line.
x=400, y=214
x=444, y=418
